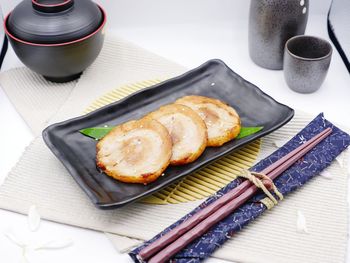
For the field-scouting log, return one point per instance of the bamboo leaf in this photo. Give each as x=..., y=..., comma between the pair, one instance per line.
x=246, y=131
x=96, y=133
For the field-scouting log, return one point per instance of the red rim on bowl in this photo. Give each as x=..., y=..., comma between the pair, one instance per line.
x=58, y=44
x=52, y=8
x=35, y=2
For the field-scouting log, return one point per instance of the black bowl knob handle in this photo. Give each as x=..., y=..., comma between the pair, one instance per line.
x=52, y=6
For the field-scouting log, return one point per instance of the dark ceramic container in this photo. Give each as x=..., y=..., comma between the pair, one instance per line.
x=78, y=152
x=306, y=63
x=339, y=28
x=3, y=42
x=271, y=24
x=56, y=38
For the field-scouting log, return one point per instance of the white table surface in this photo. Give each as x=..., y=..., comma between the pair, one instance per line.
x=188, y=32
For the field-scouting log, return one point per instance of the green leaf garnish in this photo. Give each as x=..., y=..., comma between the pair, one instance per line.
x=246, y=131
x=98, y=133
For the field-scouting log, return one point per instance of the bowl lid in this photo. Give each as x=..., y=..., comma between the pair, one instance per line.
x=54, y=21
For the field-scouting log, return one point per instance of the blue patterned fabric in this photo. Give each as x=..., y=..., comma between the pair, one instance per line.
x=302, y=171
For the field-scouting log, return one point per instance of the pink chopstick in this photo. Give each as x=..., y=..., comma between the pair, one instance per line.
x=193, y=227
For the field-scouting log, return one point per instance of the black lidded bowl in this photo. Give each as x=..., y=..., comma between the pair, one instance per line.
x=58, y=39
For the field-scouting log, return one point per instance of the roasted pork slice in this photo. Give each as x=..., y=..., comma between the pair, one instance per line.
x=222, y=121
x=187, y=131
x=135, y=152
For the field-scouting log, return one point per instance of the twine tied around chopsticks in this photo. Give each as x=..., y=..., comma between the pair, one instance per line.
x=257, y=179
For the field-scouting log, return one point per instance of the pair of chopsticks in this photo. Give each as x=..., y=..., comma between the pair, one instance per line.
x=194, y=227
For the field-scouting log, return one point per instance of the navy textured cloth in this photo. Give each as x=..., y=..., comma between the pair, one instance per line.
x=302, y=171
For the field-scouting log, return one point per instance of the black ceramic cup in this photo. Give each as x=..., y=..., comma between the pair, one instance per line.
x=306, y=62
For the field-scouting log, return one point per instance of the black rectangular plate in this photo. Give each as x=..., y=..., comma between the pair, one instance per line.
x=212, y=79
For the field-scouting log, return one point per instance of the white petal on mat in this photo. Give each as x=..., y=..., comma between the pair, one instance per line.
x=340, y=160
x=327, y=175
x=279, y=143
x=23, y=259
x=54, y=244
x=33, y=219
x=14, y=238
x=301, y=223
